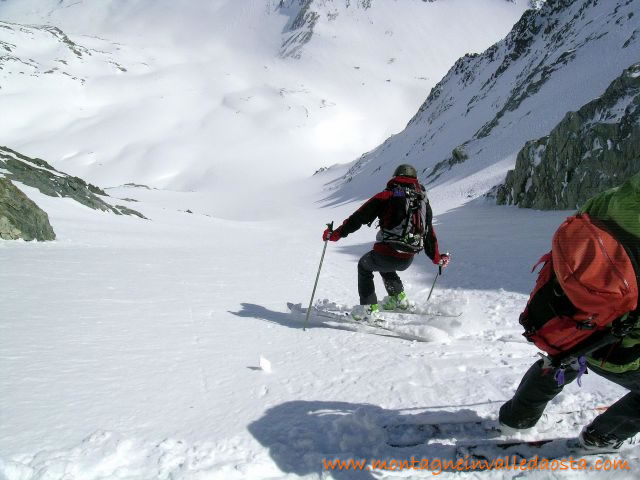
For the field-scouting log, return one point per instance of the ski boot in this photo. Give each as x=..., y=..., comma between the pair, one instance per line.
x=396, y=302
x=365, y=313
x=508, y=430
x=591, y=440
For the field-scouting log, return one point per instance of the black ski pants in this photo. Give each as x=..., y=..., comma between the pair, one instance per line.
x=387, y=266
x=537, y=388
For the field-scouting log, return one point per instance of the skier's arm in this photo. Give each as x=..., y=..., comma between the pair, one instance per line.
x=367, y=213
x=430, y=239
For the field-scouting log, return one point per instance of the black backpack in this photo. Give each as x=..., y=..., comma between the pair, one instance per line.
x=403, y=221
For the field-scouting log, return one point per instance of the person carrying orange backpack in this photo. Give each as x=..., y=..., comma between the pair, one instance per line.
x=584, y=313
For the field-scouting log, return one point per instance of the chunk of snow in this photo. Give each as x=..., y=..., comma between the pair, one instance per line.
x=265, y=364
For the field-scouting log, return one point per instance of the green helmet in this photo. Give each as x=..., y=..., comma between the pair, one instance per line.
x=405, y=170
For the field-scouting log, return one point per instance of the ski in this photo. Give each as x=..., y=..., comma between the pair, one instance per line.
x=412, y=434
x=330, y=313
x=422, y=314
x=339, y=315
x=342, y=316
x=418, y=432
x=297, y=308
x=546, y=448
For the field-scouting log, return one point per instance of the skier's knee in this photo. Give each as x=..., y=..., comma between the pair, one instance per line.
x=364, y=266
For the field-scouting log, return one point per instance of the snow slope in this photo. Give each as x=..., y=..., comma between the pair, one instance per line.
x=163, y=349
x=466, y=135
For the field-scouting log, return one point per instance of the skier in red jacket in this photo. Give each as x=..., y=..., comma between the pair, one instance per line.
x=405, y=218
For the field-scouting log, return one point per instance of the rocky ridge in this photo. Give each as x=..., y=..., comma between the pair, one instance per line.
x=37, y=173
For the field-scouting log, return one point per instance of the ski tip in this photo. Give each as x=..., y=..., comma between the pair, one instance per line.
x=296, y=307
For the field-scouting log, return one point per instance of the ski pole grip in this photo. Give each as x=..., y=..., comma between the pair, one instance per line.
x=330, y=226
x=439, y=269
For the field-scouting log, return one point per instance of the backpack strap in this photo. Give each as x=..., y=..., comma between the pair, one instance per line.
x=543, y=260
x=594, y=342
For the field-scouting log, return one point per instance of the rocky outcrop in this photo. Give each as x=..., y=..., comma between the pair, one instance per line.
x=458, y=155
x=304, y=15
x=37, y=173
x=590, y=150
x=21, y=218
x=300, y=30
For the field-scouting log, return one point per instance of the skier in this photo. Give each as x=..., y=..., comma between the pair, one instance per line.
x=405, y=218
x=555, y=317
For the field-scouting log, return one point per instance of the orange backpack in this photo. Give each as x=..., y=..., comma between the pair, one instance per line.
x=587, y=281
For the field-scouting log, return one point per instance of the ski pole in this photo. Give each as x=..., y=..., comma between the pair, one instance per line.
x=313, y=294
x=434, y=281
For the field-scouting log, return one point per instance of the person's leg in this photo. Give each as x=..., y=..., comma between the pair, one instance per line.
x=536, y=389
x=397, y=299
x=366, y=287
x=622, y=419
x=392, y=282
x=387, y=266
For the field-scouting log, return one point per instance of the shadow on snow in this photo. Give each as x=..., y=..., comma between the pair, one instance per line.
x=301, y=434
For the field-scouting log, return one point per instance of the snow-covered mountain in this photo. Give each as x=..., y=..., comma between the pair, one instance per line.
x=308, y=17
x=30, y=52
x=468, y=132
x=207, y=93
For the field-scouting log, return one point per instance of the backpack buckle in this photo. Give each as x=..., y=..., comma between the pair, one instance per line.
x=623, y=325
x=587, y=325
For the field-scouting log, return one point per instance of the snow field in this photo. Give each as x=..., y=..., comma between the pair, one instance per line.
x=142, y=349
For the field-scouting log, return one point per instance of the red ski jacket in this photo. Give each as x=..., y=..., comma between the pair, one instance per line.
x=374, y=208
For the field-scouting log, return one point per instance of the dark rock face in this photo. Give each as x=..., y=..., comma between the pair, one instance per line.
x=595, y=148
x=37, y=173
x=20, y=217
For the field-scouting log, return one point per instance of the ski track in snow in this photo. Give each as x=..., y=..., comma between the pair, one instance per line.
x=164, y=348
